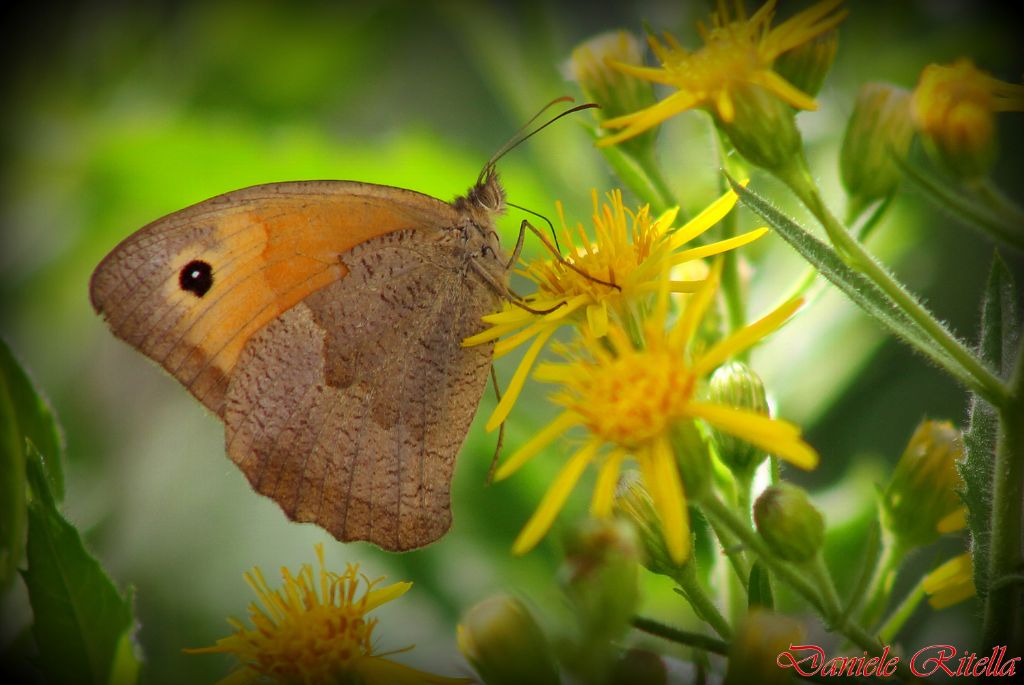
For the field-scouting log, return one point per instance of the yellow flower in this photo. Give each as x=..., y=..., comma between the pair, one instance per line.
x=314, y=631
x=738, y=52
x=632, y=398
x=630, y=250
x=954, y=109
x=950, y=583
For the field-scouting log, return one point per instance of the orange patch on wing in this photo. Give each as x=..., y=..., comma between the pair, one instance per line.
x=274, y=259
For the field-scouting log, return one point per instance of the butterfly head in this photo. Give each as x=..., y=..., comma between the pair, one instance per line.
x=486, y=197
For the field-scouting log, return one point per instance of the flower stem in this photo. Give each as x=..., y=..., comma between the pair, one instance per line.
x=968, y=369
x=691, y=588
x=683, y=637
x=1002, y=612
x=882, y=580
x=828, y=607
x=901, y=613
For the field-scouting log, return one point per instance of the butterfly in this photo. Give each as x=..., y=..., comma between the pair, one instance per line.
x=322, y=322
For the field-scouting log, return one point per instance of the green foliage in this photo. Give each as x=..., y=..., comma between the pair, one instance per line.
x=864, y=292
x=81, y=619
x=1000, y=331
x=25, y=419
x=759, y=588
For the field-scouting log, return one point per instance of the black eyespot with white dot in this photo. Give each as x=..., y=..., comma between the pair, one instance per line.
x=196, y=277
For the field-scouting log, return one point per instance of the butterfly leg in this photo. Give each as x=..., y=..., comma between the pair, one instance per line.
x=508, y=293
x=501, y=432
x=554, y=251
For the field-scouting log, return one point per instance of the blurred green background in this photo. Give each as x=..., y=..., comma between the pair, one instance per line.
x=116, y=115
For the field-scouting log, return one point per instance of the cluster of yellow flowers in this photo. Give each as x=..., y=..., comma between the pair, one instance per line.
x=632, y=384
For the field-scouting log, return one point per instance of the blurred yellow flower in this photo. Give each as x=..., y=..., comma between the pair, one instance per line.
x=950, y=583
x=954, y=109
x=629, y=249
x=314, y=631
x=631, y=397
x=738, y=52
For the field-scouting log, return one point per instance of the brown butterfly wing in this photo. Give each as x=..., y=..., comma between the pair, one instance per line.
x=328, y=341
x=349, y=410
x=268, y=247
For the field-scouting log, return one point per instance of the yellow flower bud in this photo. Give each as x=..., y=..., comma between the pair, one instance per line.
x=616, y=92
x=504, y=644
x=736, y=385
x=922, y=490
x=789, y=523
x=762, y=127
x=759, y=639
x=954, y=109
x=879, y=132
x=807, y=65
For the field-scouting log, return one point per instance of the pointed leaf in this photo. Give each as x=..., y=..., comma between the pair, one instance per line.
x=860, y=289
x=1000, y=331
x=79, y=615
x=35, y=419
x=759, y=588
x=12, y=488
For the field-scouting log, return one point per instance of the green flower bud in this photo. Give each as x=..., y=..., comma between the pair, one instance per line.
x=789, y=523
x=693, y=458
x=763, y=128
x=807, y=65
x=736, y=385
x=600, y=576
x=759, y=639
x=634, y=503
x=922, y=490
x=616, y=92
x=504, y=644
x=878, y=134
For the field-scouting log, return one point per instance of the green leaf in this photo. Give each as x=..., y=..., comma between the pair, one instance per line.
x=35, y=419
x=855, y=285
x=125, y=670
x=759, y=588
x=80, y=617
x=1000, y=331
x=12, y=488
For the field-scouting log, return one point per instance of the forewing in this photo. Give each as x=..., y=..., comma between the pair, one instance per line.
x=268, y=248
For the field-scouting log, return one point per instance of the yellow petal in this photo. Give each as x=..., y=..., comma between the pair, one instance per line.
x=515, y=386
x=953, y=571
x=604, y=489
x=554, y=498
x=953, y=522
x=774, y=436
x=662, y=479
x=597, y=319
x=744, y=338
x=718, y=247
x=374, y=598
x=691, y=317
x=705, y=220
x=535, y=444
x=513, y=341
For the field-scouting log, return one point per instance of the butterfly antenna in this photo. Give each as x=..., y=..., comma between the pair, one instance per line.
x=518, y=137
